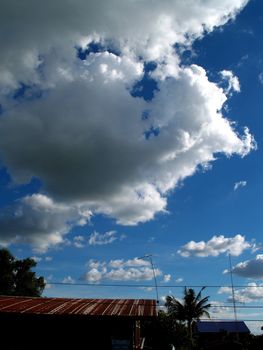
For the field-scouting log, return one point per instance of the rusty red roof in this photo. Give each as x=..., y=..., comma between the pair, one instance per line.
x=69, y=306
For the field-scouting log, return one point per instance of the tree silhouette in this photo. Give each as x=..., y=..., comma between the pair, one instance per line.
x=16, y=276
x=190, y=309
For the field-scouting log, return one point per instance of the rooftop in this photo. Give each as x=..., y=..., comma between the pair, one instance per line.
x=221, y=326
x=70, y=306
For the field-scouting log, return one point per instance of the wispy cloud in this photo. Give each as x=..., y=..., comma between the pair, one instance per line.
x=109, y=237
x=179, y=280
x=252, y=293
x=260, y=77
x=239, y=184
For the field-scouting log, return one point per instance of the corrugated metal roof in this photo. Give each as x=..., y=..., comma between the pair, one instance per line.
x=90, y=307
x=221, y=326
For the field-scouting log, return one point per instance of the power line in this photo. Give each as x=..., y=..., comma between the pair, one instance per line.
x=239, y=306
x=229, y=319
x=149, y=285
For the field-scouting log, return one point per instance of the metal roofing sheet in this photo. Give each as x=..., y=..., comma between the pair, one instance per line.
x=69, y=306
x=220, y=326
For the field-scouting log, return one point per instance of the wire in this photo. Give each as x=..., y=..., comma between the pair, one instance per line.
x=229, y=319
x=148, y=285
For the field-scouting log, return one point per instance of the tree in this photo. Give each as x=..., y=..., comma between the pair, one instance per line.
x=164, y=332
x=17, y=278
x=190, y=309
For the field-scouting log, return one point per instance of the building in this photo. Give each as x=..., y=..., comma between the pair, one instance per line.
x=63, y=323
x=217, y=334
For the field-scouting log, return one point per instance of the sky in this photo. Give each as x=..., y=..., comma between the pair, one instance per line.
x=130, y=128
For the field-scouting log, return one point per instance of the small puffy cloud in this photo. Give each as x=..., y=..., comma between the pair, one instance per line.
x=215, y=246
x=239, y=184
x=48, y=258
x=167, y=278
x=179, y=280
x=131, y=274
x=97, y=238
x=232, y=81
x=219, y=308
x=39, y=221
x=79, y=241
x=252, y=293
x=68, y=279
x=36, y=258
x=119, y=270
x=260, y=77
x=250, y=268
x=135, y=262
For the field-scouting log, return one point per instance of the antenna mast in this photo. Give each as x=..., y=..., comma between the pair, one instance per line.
x=232, y=287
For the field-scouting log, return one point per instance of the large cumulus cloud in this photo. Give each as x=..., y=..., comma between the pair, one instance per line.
x=39, y=221
x=29, y=27
x=78, y=126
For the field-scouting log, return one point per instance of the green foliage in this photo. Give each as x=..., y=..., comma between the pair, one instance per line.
x=16, y=277
x=190, y=309
x=164, y=332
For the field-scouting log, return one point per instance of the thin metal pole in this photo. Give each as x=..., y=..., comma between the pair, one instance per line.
x=232, y=287
x=149, y=256
x=233, y=296
x=155, y=281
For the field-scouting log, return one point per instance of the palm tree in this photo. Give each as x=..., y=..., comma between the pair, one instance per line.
x=190, y=309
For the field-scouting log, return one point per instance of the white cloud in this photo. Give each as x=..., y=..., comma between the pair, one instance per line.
x=147, y=289
x=215, y=246
x=117, y=263
x=97, y=238
x=250, y=268
x=252, y=293
x=133, y=27
x=120, y=270
x=260, y=77
x=48, y=258
x=232, y=81
x=79, y=241
x=68, y=279
x=85, y=136
x=239, y=184
x=167, y=278
x=179, y=280
x=36, y=258
x=48, y=281
x=38, y=220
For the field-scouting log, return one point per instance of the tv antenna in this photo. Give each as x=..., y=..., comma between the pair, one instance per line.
x=149, y=256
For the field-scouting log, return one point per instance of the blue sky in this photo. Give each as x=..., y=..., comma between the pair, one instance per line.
x=124, y=135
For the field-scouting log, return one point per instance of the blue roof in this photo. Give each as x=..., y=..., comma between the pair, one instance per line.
x=222, y=326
